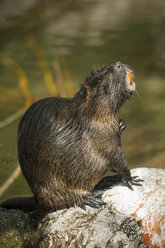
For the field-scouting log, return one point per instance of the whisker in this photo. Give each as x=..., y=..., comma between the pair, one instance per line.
x=138, y=95
x=124, y=58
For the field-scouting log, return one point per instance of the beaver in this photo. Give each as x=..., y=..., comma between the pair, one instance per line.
x=66, y=145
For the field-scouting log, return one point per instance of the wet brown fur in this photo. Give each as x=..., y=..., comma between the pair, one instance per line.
x=66, y=145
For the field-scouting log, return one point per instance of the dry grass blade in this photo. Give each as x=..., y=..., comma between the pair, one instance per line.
x=11, y=118
x=10, y=180
x=59, y=80
x=33, y=44
x=67, y=77
x=22, y=79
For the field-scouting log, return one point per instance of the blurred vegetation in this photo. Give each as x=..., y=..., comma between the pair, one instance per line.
x=48, y=47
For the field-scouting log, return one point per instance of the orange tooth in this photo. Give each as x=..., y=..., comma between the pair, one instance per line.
x=129, y=75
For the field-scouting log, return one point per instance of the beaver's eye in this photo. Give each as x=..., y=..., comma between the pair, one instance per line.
x=118, y=66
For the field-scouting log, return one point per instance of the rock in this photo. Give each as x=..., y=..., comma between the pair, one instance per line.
x=16, y=228
x=146, y=204
x=70, y=228
x=74, y=228
x=118, y=224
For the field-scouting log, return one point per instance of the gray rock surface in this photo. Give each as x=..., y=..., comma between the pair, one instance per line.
x=145, y=203
x=94, y=228
x=70, y=228
x=111, y=226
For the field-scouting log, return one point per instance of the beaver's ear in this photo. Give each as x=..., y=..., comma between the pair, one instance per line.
x=95, y=77
x=83, y=92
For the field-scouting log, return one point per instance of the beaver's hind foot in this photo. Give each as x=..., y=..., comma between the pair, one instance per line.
x=93, y=202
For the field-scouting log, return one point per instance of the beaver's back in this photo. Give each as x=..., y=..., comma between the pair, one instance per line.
x=56, y=152
x=39, y=129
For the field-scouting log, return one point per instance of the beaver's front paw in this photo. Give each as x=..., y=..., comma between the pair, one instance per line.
x=122, y=125
x=129, y=181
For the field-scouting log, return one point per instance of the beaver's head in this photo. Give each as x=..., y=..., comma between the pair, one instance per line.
x=113, y=83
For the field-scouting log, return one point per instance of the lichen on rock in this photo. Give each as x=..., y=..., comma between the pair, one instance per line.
x=16, y=228
x=93, y=228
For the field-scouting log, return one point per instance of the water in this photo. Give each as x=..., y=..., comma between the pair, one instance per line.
x=38, y=36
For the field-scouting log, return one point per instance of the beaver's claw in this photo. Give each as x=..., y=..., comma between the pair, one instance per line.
x=122, y=125
x=135, y=180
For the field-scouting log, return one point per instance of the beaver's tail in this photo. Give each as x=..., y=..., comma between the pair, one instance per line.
x=26, y=204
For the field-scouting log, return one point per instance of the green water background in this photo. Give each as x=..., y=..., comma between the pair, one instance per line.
x=80, y=35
